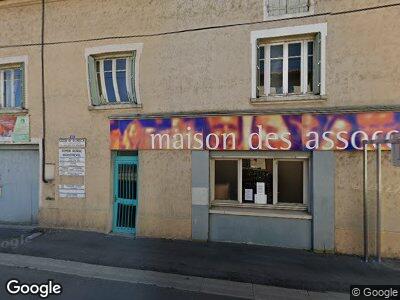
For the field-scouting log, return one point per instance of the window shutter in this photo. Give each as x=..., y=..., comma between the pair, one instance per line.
x=297, y=6
x=22, y=85
x=317, y=64
x=258, y=72
x=93, y=85
x=133, y=77
x=276, y=7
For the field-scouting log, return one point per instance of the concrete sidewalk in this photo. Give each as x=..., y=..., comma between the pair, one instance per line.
x=165, y=280
x=294, y=269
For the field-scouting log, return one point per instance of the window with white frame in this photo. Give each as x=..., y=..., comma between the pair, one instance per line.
x=287, y=7
x=289, y=66
x=112, y=78
x=259, y=181
x=12, y=85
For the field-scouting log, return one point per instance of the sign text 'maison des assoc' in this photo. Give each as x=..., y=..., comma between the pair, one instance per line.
x=305, y=132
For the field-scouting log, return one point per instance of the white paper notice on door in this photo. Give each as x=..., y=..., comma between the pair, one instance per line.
x=261, y=188
x=260, y=199
x=248, y=194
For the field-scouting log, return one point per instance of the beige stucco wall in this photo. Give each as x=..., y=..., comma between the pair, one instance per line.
x=165, y=196
x=349, y=204
x=197, y=71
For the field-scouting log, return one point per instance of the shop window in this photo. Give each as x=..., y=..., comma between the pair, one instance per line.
x=290, y=181
x=276, y=8
x=288, y=68
x=112, y=78
x=226, y=179
x=12, y=86
x=260, y=181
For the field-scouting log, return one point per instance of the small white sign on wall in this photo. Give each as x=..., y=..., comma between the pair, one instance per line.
x=71, y=156
x=72, y=142
x=71, y=162
x=71, y=191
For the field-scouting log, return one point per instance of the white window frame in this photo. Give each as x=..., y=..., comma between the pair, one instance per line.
x=304, y=67
x=310, y=11
x=115, y=49
x=16, y=60
x=286, y=32
x=276, y=158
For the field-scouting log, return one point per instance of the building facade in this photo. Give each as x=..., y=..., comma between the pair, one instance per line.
x=234, y=121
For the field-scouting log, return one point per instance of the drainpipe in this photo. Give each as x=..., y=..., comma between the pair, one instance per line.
x=43, y=100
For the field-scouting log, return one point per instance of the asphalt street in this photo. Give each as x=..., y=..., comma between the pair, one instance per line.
x=75, y=287
x=270, y=266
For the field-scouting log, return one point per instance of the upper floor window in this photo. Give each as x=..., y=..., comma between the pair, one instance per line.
x=112, y=78
x=288, y=63
x=12, y=85
x=113, y=74
x=288, y=67
x=278, y=8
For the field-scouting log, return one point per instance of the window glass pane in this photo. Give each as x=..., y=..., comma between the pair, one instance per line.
x=7, y=88
x=261, y=53
x=276, y=51
x=17, y=90
x=226, y=178
x=295, y=49
x=108, y=65
x=122, y=89
x=261, y=58
x=310, y=48
x=121, y=64
x=294, y=79
x=261, y=78
x=257, y=170
x=290, y=181
x=276, y=76
x=108, y=78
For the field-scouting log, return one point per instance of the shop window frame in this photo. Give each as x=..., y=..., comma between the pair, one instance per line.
x=276, y=157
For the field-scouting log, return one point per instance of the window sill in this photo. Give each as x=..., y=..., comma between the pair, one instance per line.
x=8, y=111
x=289, y=99
x=290, y=15
x=115, y=106
x=279, y=206
x=267, y=211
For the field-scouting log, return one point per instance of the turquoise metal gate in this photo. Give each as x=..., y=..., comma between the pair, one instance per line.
x=125, y=194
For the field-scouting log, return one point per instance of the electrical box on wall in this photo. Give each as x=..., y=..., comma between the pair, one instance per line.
x=49, y=172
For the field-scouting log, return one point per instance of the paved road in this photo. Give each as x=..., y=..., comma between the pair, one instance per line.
x=287, y=268
x=78, y=288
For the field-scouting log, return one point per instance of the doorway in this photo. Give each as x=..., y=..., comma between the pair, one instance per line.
x=125, y=194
